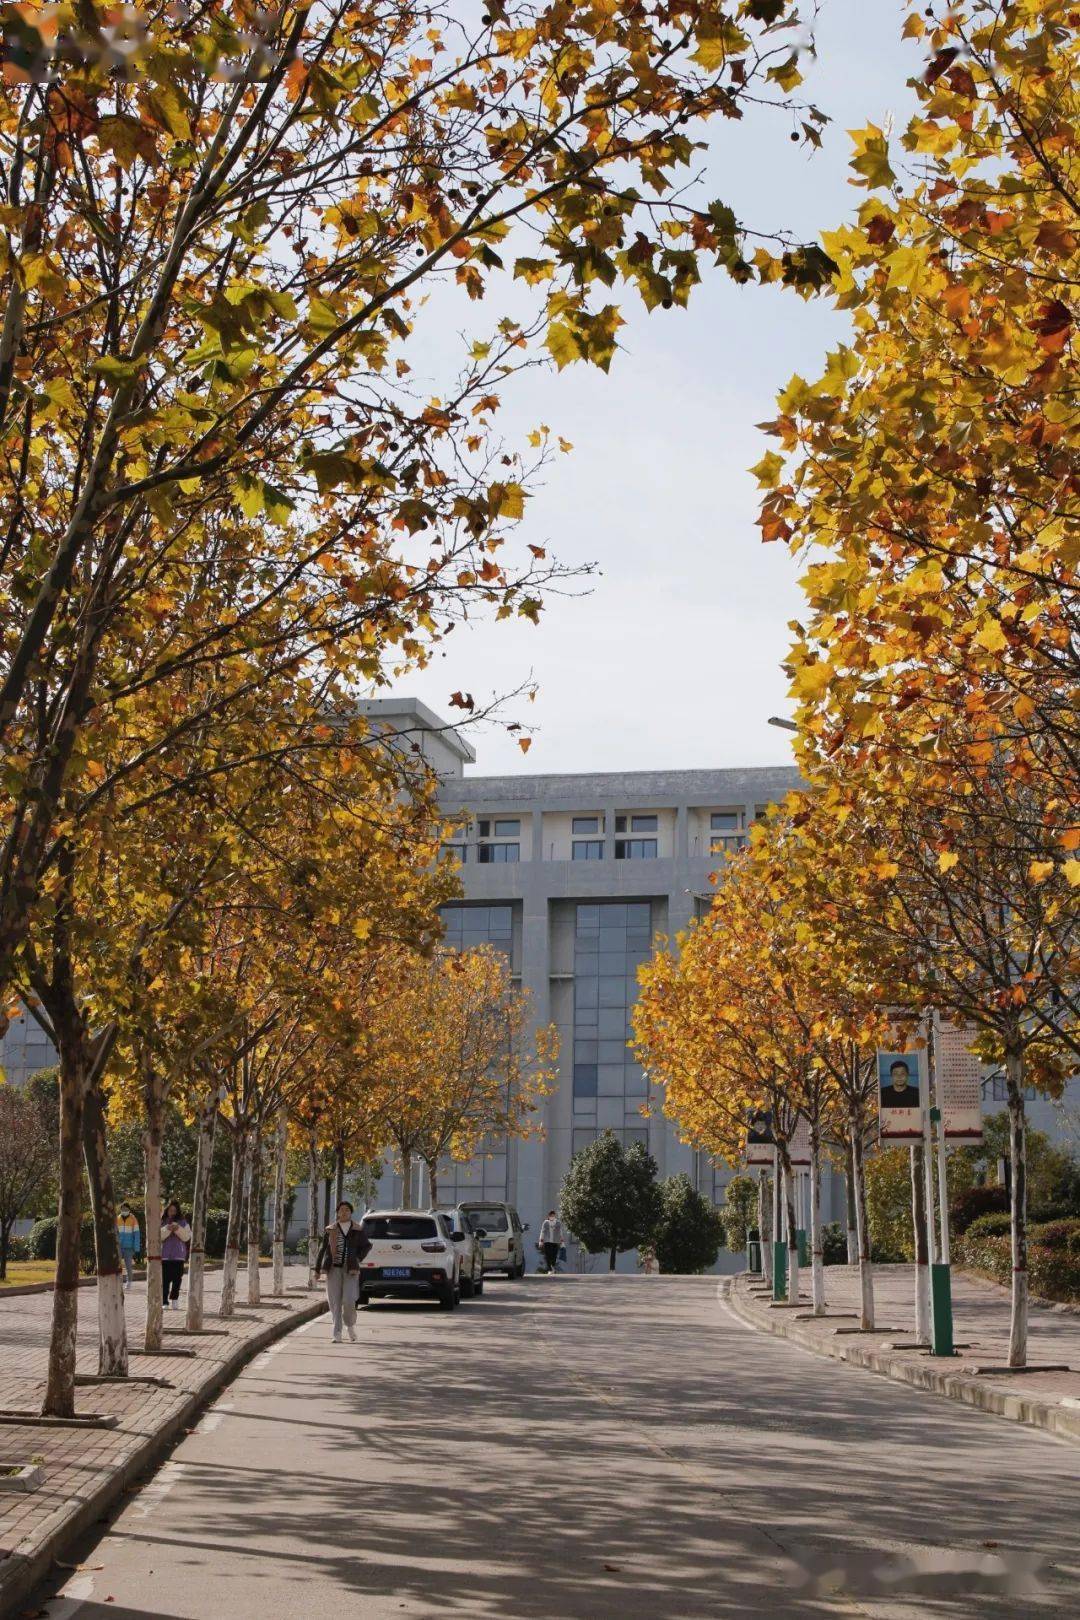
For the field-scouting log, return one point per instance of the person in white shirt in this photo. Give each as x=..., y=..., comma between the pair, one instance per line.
x=551, y=1240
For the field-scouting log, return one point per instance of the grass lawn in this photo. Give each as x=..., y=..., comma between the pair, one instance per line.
x=21, y=1272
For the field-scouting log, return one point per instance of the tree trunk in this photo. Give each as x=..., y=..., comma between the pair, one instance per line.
x=5, y=1237
x=792, y=1228
x=232, y=1236
x=922, y=1248
x=277, y=1225
x=112, y=1332
x=326, y=1202
x=611, y=1259
x=433, y=1184
x=204, y=1158
x=817, y=1242
x=862, y=1227
x=313, y=1210
x=339, y=1172
x=852, y=1233
x=154, y=1104
x=59, y=1399
x=254, y=1222
x=764, y=1222
x=1018, y=1322
x=406, y=1179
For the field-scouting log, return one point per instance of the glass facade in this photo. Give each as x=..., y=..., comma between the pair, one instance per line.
x=611, y=940
x=24, y=1049
x=498, y=854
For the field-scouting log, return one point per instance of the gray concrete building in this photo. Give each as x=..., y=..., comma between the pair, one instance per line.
x=574, y=877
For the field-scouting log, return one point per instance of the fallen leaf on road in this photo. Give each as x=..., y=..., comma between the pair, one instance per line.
x=614, y=1568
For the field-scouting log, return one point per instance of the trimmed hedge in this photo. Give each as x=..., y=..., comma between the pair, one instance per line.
x=41, y=1242
x=1064, y=1234
x=997, y=1224
x=968, y=1205
x=1053, y=1273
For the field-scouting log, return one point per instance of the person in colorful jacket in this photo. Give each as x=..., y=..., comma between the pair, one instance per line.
x=128, y=1235
x=175, y=1237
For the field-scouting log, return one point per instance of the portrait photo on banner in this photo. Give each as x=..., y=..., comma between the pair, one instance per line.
x=900, y=1093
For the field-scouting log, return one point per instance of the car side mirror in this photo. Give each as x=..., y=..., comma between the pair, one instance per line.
x=458, y=1237
x=525, y=1228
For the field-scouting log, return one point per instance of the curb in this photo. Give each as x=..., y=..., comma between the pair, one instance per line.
x=22, y=1571
x=1048, y=1416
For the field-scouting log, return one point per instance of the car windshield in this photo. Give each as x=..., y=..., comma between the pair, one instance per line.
x=492, y=1220
x=398, y=1226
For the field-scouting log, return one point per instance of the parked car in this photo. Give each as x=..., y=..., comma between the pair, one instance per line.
x=503, y=1242
x=472, y=1253
x=413, y=1254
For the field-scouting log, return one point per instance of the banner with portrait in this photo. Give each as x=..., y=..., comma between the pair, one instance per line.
x=760, y=1143
x=901, y=1095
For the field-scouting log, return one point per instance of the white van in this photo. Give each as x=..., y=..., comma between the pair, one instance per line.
x=503, y=1241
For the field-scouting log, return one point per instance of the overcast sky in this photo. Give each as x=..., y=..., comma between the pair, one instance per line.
x=672, y=658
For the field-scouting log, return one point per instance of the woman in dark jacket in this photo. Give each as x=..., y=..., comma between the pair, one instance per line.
x=340, y=1253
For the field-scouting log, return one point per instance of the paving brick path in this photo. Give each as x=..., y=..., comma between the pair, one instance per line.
x=1046, y=1400
x=78, y=1465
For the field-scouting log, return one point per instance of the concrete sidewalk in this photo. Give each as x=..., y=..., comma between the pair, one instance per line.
x=84, y=1470
x=1048, y=1400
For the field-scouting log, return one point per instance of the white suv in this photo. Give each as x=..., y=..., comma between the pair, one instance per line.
x=414, y=1253
x=472, y=1252
x=503, y=1241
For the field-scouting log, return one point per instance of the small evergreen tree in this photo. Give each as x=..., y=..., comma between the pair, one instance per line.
x=689, y=1230
x=609, y=1197
x=739, y=1214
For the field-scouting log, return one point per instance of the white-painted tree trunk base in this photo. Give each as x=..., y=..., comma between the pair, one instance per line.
x=866, y=1294
x=922, y=1304
x=1018, y=1325
x=253, y=1281
x=112, y=1329
x=228, y=1282
x=279, y=1267
x=195, y=1295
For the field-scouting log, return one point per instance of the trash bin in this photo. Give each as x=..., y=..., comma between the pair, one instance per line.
x=753, y=1256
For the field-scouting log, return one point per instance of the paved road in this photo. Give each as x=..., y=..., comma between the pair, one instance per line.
x=585, y=1447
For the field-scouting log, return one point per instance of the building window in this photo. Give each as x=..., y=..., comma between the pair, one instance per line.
x=498, y=854
x=588, y=849
x=635, y=849
x=507, y=829
x=643, y=823
x=725, y=820
x=467, y=926
x=586, y=824
x=585, y=1079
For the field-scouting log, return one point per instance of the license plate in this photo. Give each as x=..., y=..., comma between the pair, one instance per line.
x=485, y=1243
x=397, y=1271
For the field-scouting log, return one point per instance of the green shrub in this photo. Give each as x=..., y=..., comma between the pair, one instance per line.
x=996, y=1224
x=1064, y=1234
x=834, y=1244
x=1053, y=1273
x=18, y=1248
x=41, y=1242
x=217, y=1230
x=967, y=1206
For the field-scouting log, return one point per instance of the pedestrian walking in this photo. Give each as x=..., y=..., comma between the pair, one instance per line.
x=127, y=1233
x=340, y=1253
x=175, y=1238
x=551, y=1241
